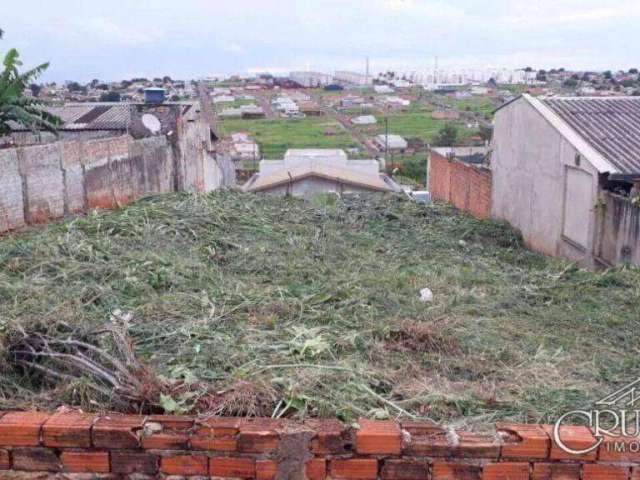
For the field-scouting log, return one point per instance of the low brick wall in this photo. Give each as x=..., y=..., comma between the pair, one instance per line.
x=77, y=445
x=465, y=186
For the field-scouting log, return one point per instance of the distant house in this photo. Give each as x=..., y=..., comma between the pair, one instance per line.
x=397, y=101
x=351, y=101
x=566, y=172
x=305, y=173
x=90, y=120
x=364, y=120
x=383, y=89
x=394, y=143
x=244, y=147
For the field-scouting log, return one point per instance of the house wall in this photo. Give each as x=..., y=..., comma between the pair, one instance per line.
x=529, y=163
x=467, y=187
x=309, y=187
x=619, y=230
x=44, y=182
x=73, y=445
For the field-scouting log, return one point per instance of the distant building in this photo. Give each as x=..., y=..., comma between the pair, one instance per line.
x=386, y=89
x=103, y=119
x=394, y=143
x=397, y=101
x=305, y=173
x=351, y=101
x=352, y=78
x=244, y=147
x=311, y=79
x=364, y=120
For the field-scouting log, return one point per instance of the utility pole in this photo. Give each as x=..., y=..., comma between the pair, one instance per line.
x=386, y=139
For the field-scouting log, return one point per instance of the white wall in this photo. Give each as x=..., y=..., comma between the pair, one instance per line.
x=529, y=164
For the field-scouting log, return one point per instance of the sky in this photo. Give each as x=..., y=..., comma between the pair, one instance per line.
x=118, y=39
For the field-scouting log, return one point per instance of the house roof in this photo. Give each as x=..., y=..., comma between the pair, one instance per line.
x=610, y=125
x=606, y=131
x=93, y=116
x=339, y=174
x=98, y=115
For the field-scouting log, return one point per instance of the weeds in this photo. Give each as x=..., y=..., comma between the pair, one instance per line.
x=247, y=305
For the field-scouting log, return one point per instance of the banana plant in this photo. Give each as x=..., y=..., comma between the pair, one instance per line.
x=17, y=109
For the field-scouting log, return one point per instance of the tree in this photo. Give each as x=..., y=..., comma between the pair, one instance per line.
x=110, y=97
x=14, y=106
x=447, y=136
x=485, y=132
x=570, y=82
x=74, y=87
x=633, y=71
x=608, y=75
x=35, y=89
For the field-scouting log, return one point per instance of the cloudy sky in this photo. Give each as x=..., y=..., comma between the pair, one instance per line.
x=115, y=39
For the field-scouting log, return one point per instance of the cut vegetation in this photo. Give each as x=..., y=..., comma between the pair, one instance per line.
x=240, y=304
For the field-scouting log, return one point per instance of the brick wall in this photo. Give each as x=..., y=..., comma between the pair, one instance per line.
x=43, y=182
x=76, y=445
x=467, y=187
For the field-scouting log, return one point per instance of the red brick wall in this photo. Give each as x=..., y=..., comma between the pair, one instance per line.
x=74, y=445
x=465, y=186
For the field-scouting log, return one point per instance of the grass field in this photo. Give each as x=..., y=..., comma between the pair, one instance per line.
x=481, y=105
x=414, y=124
x=275, y=136
x=261, y=305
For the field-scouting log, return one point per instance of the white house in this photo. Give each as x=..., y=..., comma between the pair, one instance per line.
x=385, y=89
x=394, y=143
x=308, y=172
x=364, y=120
x=563, y=173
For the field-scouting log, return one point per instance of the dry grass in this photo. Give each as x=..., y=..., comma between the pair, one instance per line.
x=259, y=306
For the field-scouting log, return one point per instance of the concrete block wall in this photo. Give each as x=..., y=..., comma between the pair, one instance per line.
x=11, y=200
x=618, y=232
x=44, y=182
x=76, y=445
x=467, y=187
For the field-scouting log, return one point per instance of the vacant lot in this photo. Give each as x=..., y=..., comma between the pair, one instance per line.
x=243, y=304
x=275, y=136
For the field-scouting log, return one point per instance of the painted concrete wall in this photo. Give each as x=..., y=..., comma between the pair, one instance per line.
x=619, y=234
x=529, y=165
x=44, y=182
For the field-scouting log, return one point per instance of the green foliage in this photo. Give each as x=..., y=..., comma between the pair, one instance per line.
x=14, y=106
x=110, y=97
x=275, y=136
x=447, y=136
